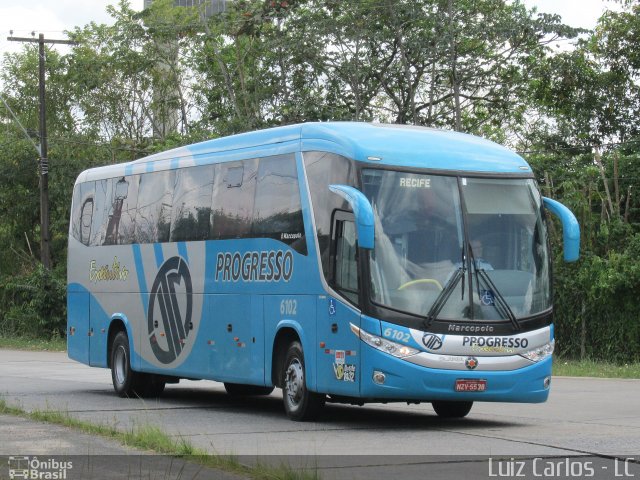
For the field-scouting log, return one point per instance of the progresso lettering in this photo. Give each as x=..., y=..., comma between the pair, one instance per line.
x=270, y=266
x=508, y=342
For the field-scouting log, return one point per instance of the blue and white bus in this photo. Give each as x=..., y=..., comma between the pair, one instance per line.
x=340, y=262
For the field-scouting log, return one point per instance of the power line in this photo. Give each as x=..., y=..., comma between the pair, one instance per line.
x=21, y=127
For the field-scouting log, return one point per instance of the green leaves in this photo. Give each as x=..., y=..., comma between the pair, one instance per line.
x=168, y=76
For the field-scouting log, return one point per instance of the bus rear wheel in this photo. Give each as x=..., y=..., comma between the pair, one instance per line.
x=300, y=404
x=127, y=382
x=240, y=390
x=452, y=409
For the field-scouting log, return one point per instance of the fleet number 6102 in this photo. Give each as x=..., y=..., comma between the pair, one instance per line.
x=397, y=334
x=288, y=306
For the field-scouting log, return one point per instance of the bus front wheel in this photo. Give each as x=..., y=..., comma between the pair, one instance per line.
x=127, y=382
x=300, y=404
x=452, y=409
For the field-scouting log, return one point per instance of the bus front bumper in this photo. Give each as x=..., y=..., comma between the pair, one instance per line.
x=406, y=381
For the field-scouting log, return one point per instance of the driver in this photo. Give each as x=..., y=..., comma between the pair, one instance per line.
x=477, y=251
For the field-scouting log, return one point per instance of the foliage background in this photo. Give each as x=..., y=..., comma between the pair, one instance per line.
x=568, y=100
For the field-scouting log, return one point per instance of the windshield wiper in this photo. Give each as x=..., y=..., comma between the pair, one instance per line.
x=444, y=295
x=498, y=301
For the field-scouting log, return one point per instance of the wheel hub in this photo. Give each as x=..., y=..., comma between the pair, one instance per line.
x=294, y=382
x=120, y=365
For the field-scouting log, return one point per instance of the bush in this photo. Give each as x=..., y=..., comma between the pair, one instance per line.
x=33, y=303
x=596, y=305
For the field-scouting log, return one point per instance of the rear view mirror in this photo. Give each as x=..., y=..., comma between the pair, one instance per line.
x=362, y=211
x=570, y=229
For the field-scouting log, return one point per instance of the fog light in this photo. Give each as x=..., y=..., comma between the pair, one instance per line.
x=379, y=377
x=547, y=383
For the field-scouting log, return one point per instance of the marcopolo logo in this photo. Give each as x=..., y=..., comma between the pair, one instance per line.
x=432, y=342
x=170, y=306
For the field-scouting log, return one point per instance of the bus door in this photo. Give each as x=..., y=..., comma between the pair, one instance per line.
x=339, y=357
x=98, y=328
x=78, y=325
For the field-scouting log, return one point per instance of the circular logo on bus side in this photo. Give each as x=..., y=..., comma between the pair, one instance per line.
x=432, y=341
x=169, y=312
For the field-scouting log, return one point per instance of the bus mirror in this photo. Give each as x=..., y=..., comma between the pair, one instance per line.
x=362, y=211
x=570, y=229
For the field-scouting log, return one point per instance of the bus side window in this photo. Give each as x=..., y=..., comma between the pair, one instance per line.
x=85, y=220
x=277, y=211
x=101, y=206
x=153, y=212
x=233, y=199
x=345, y=272
x=324, y=169
x=125, y=209
x=191, y=215
x=83, y=195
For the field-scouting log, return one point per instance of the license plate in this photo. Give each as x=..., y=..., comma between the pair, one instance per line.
x=463, y=385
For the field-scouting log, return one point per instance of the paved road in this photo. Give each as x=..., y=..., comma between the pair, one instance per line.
x=584, y=418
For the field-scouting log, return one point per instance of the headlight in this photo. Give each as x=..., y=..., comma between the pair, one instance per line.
x=540, y=353
x=384, y=345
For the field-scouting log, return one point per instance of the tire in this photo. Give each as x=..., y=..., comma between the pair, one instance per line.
x=452, y=409
x=299, y=403
x=126, y=382
x=240, y=390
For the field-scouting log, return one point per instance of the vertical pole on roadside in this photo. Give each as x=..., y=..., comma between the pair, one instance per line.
x=45, y=246
x=45, y=237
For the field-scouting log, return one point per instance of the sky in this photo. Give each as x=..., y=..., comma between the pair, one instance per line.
x=52, y=17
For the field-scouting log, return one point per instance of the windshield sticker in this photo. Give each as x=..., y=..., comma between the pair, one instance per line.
x=487, y=298
x=269, y=266
x=409, y=182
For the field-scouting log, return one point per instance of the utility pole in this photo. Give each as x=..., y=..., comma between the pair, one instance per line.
x=45, y=240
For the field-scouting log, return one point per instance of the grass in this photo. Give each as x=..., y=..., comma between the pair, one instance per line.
x=592, y=368
x=152, y=438
x=37, y=344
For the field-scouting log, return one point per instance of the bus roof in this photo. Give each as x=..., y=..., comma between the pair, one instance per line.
x=401, y=146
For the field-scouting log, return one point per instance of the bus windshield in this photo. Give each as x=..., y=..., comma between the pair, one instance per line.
x=438, y=235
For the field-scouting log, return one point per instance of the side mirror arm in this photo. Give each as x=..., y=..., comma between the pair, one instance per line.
x=570, y=229
x=362, y=211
